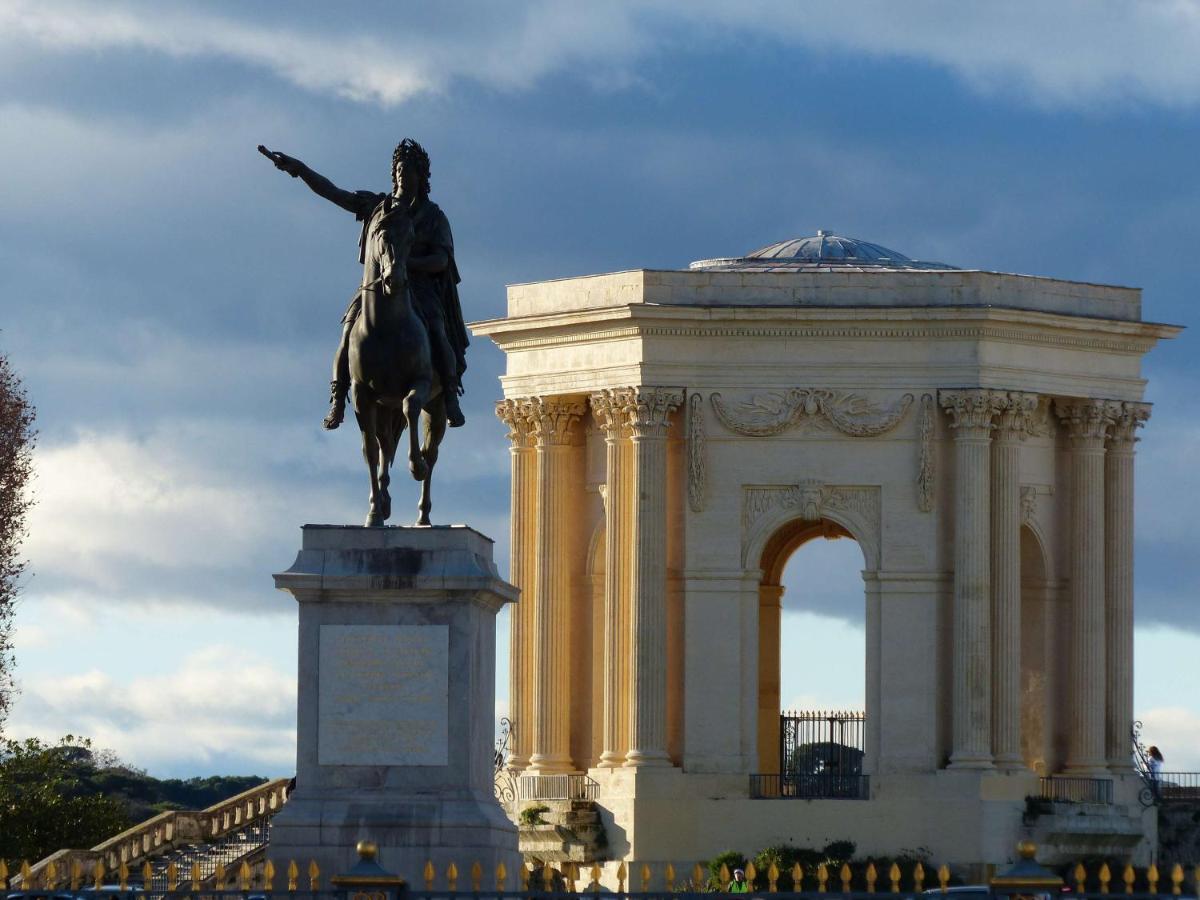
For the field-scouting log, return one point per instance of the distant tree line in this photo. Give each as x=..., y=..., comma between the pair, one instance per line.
x=70, y=795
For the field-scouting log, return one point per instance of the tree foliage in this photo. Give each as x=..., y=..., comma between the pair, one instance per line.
x=16, y=467
x=46, y=803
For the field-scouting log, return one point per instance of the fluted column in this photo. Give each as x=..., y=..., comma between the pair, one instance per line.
x=522, y=553
x=608, y=409
x=648, y=413
x=554, y=421
x=1118, y=578
x=1012, y=423
x=971, y=413
x=1087, y=423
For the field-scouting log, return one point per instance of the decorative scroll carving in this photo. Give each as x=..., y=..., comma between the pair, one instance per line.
x=696, y=460
x=926, y=471
x=854, y=507
x=1029, y=496
x=773, y=413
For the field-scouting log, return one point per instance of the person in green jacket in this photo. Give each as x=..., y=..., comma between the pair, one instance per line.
x=739, y=885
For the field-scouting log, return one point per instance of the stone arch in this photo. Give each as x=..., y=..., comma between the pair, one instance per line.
x=768, y=511
x=1042, y=678
x=773, y=550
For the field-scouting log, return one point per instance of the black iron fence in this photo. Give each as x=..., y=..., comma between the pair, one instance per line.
x=1069, y=789
x=557, y=787
x=820, y=755
x=823, y=786
x=1178, y=785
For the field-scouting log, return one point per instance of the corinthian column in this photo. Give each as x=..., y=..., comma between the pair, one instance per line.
x=1118, y=578
x=1087, y=423
x=971, y=413
x=648, y=413
x=554, y=421
x=516, y=415
x=608, y=409
x=1012, y=423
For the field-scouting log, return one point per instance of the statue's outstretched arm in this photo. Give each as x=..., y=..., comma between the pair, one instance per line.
x=317, y=183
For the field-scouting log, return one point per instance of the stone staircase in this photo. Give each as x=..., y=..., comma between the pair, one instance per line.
x=570, y=831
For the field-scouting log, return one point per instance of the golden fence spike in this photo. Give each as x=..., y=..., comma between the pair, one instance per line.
x=98, y=874
x=622, y=874
x=476, y=876
x=172, y=876
x=944, y=877
x=220, y=876
x=772, y=877
x=26, y=876
x=3, y=874
x=428, y=874
x=723, y=875
x=244, y=875
x=822, y=877
x=293, y=876
x=501, y=876
x=645, y=877
x=1105, y=876
x=76, y=875
x=1177, y=879
x=1080, y=876
x=147, y=875
x=797, y=877
x=669, y=875
x=751, y=874
x=846, y=876
x=1196, y=879
x=595, y=873
x=524, y=877
x=547, y=877
x=894, y=877
x=572, y=876
x=269, y=875
x=50, y=876
x=698, y=877
x=452, y=876
x=1128, y=877
x=123, y=877
x=872, y=877
x=1152, y=878
x=195, y=877
x=918, y=877
x=314, y=876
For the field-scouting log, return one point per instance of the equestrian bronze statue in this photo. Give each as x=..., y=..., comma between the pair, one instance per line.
x=403, y=342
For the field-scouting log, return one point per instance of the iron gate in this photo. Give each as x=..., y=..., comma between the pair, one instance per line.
x=821, y=754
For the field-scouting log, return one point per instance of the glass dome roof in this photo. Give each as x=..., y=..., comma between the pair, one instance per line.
x=823, y=250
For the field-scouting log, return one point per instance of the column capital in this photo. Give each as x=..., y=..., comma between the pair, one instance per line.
x=648, y=410
x=1014, y=419
x=553, y=419
x=1087, y=420
x=517, y=415
x=971, y=410
x=608, y=406
x=1128, y=417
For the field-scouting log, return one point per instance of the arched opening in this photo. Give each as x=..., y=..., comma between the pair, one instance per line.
x=1043, y=671
x=811, y=651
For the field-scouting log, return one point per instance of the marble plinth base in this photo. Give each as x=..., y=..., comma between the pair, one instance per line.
x=396, y=701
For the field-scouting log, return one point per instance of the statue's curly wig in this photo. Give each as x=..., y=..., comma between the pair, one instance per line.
x=410, y=151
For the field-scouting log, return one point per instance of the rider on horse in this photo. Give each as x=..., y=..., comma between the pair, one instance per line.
x=432, y=275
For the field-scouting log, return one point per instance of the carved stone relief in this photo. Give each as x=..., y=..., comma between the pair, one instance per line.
x=855, y=507
x=696, y=460
x=775, y=412
x=926, y=466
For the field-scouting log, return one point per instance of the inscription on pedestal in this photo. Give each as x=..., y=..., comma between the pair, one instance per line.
x=384, y=694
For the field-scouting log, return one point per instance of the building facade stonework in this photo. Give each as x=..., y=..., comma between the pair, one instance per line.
x=676, y=435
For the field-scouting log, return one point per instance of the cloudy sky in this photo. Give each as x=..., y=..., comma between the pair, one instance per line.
x=172, y=301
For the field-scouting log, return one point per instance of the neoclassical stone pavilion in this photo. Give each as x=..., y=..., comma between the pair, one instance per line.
x=676, y=435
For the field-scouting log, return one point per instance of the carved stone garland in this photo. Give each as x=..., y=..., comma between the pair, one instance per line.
x=696, y=463
x=926, y=466
x=776, y=412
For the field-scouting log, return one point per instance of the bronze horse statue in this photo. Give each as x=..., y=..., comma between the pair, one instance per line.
x=393, y=382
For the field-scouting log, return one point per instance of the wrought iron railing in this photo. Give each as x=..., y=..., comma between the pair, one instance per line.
x=557, y=787
x=1071, y=789
x=822, y=786
x=1179, y=785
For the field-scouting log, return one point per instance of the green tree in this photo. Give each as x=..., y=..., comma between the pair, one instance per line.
x=46, y=803
x=16, y=466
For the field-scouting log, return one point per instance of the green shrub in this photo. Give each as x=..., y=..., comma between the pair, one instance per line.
x=532, y=815
x=731, y=859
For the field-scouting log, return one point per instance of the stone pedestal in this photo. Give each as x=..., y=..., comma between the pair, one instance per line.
x=396, y=701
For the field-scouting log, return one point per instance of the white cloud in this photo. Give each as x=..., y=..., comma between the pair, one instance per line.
x=219, y=704
x=1176, y=731
x=1067, y=53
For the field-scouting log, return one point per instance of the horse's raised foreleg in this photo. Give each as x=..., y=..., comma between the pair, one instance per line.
x=434, y=420
x=413, y=404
